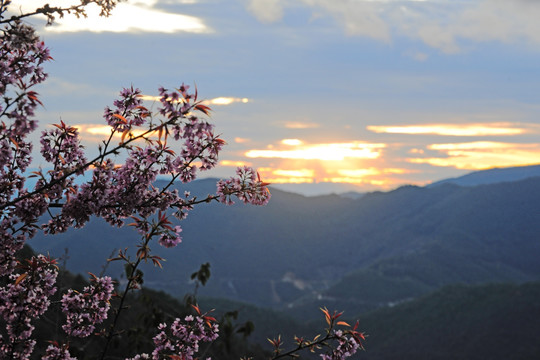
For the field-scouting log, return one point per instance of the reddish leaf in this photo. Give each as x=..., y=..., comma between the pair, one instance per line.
x=203, y=108
x=122, y=119
x=196, y=309
x=20, y=278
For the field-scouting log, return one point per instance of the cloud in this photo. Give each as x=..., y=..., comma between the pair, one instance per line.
x=132, y=16
x=220, y=101
x=301, y=125
x=296, y=161
x=266, y=11
x=373, y=177
x=292, y=142
x=323, y=152
x=440, y=24
x=492, y=129
x=234, y=163
x=227, y=100
x=482, y=155
x=98, y=132
x=240, y=140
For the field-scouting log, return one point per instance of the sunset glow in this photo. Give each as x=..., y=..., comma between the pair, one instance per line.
x=324, y=152
x=301, y=125
x=234, y=163
x=373, y=94
x=93, y=131
x=495, y=129
x=292, y=142
x=482, y=155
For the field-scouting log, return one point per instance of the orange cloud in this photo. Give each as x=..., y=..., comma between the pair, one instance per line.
x=335, y=172
x=482, y=155
x=292, y=142
x=492, y=129
x=234, y=163
x=101, y=131
x=324, y=152
x=301, y=125
x=283, y=176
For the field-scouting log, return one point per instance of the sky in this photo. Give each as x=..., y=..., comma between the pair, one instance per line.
x=320, y=96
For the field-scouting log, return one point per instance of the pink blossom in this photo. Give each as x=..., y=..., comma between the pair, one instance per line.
x=88, y=308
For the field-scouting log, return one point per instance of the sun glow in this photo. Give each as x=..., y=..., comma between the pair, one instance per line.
x=234, y=163
x=323, y=152
x=482, y=155
x=493, y=129
x=102, y=131
x=284, y=176
x=292, y=142
x=301, y=125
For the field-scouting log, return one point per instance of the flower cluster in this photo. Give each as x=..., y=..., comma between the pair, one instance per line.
x=22, y=56
x=57, y=352
x=181, y=339
x=128, y=111
x=114, y=192
x=247, y=187
x=24, y=299
x=87, y=308
x=348, y=344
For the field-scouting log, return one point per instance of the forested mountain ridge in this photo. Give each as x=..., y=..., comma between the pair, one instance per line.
x=300, y=251
x=494, y=321
x=492, y=176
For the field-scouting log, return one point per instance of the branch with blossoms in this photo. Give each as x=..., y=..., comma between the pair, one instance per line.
x=339, y=343
x=181, y=339
x=25, y=298
x=115, y=192
x=50, y=12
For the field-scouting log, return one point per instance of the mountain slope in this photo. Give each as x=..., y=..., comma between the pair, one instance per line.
x=496, y=321
x=493, y=176
x=297, y=249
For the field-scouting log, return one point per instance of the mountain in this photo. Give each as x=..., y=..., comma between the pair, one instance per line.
x=494, y=321
x=493, y=176
x=301, y=252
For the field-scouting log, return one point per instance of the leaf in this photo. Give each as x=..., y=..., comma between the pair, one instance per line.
x=196, y=309
x=208, y=320
x=326, y=315
x=157, y=263
x=203, y=108
x=33, y=96
x=14, y=142
x=123, y=120
x=124, y=134
x=343, y=323
x=21, y=278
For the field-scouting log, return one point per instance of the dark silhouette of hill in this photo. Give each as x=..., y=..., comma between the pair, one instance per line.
x=492, y=176
x=299, y=251
x=495, y=321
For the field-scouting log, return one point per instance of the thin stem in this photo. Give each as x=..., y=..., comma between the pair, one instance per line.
x=303, y=346
x=124, y=295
